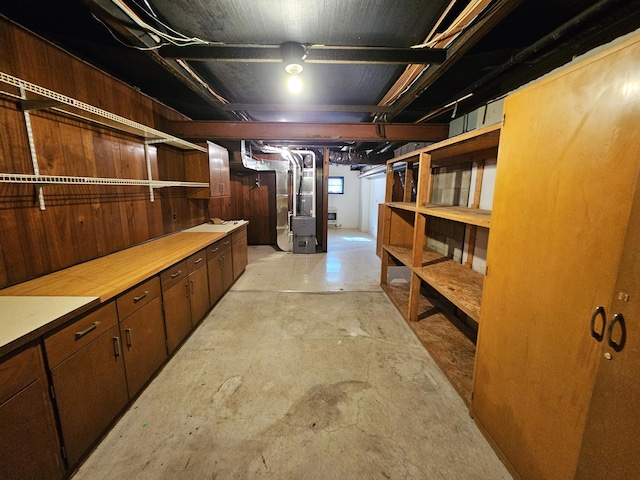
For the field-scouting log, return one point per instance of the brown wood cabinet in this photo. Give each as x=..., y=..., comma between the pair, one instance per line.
x=220, y=269
x=29, y=446
x=212, y=168
x=175, y=300
x=185, y=296
x=198, y=286
x=142, y=333
x=87, y=371
x=562, y=262
x=239, y=251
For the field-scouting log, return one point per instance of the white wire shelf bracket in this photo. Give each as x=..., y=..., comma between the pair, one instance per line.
x=59, y=102
x=70, y=180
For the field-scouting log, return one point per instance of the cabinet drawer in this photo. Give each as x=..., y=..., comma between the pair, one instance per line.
x=197, y=260
x=69, y=340
x=214, y=250
x=136, y=298
x=173, y=275
x=239, y=235
x=18, y=371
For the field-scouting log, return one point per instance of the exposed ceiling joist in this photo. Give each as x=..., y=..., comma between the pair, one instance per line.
x=289, y=107
x=494, y=14
x=282, y=131
x=314, y=54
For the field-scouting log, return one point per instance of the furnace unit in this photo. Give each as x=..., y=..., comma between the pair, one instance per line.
x=304, y=234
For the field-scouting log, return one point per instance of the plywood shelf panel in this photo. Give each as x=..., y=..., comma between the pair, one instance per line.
x=457, y=283
x=400, y=252
x=409, y=206
x=471, y=216
x=470, y=142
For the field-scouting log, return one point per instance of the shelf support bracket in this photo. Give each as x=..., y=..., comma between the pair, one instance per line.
x=147, y=159
x=32, y=150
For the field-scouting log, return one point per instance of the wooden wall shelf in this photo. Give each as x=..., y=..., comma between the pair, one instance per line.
x=470, y=216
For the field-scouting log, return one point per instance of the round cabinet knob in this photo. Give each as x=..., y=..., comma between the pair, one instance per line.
x=608, y=356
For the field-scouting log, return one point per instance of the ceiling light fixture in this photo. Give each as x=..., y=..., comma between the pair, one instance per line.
x=292, y=55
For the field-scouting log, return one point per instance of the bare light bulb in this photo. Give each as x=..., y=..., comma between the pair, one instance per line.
x=294, y=84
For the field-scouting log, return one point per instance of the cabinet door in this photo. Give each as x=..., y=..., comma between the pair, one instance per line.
x=564, y=189
x=239, y=252
x=220, y=181
x=91, y=389
x=177, y=314
x=144, y=345
x=227, y=269
x=611, y=445
x=28, y=438
x=198, y=294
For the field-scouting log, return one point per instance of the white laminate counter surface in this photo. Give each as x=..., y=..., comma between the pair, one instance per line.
x=20, y=316
x=219, y=228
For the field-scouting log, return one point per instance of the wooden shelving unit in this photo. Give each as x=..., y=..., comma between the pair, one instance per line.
x=405, y=236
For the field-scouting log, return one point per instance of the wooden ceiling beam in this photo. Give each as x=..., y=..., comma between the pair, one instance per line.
x=333, y=132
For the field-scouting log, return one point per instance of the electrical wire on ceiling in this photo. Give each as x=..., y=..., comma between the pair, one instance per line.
x=142, y=49
x=444, y=39
x=177, y=39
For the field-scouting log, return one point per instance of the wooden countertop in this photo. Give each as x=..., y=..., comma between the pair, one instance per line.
x=73, y=290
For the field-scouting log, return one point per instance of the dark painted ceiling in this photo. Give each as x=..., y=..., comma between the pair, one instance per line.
x=509, y=43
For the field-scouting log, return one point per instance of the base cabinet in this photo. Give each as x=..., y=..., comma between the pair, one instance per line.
x=239, y=251
x=142, y=333
x=220, y=269
x=88, y=378
x=198, y=286
x=29, y=448
x=175, y=300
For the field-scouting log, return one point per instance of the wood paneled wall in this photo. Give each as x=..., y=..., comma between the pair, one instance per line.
x=80, y=222
x=253, y=198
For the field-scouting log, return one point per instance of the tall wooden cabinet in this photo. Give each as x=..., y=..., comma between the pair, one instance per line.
x=556, y=381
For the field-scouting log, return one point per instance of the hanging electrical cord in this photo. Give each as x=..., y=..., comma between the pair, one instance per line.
x=142, y=49
x=180, y=40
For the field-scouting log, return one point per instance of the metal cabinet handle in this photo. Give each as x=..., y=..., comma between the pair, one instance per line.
x=198, y=260
x=192, y=286
x=116, y=346
x=81, y=334
x=137, y=299
x=214, y=250
x=598, y=312
x=618, y=319
x=227, y=242
x=127, y=333
x=174, y=275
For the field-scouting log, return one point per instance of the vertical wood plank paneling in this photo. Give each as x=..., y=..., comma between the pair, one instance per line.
x=80, y=222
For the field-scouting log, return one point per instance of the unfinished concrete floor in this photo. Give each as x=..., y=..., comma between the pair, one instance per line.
x=304, y=370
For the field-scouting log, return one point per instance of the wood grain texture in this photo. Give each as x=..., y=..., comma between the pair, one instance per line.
x=80, y=223
x=568, y=164
x=106, y=277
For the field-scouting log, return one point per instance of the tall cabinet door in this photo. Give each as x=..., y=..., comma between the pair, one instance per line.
x=566, y=175
x=611, y=445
